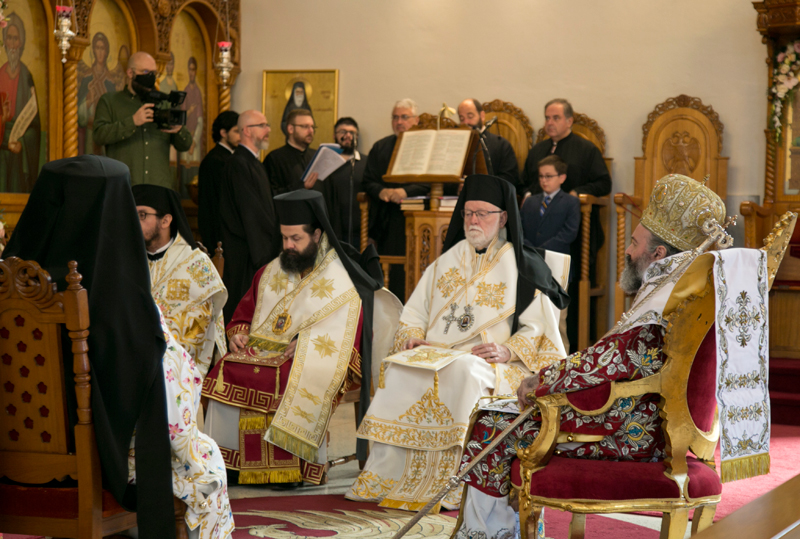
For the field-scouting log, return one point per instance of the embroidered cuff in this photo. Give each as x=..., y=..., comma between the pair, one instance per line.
x=237, y=329
x=535, y=355
x=403, y=334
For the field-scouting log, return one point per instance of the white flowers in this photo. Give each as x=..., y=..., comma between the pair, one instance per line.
x=785, y=80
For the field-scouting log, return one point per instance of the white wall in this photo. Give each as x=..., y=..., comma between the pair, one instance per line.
x=613, y=59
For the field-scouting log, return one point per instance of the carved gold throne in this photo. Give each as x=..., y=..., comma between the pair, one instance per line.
x=681, y=136
x=686, y=384
x=586, y=127
x=513, y=125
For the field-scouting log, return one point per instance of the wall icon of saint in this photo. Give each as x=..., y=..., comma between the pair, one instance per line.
x=298, y=99
x=95, y=81
x=168, y=83
x=20, y=125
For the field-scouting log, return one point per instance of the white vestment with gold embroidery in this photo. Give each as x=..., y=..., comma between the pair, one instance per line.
x=419, y=418
x=189, y=292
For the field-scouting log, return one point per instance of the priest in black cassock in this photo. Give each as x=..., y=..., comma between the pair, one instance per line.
x=225, y=133
x=341, y=188
x=250, y=234
x=502, y=156
x=285, y=165
x=586, y=174
x=386, y=220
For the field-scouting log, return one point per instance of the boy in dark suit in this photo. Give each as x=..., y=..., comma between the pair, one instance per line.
x=551, y=219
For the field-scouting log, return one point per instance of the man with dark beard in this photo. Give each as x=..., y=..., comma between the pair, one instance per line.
x=300, y=338
x=671, y=227
x=341, y=188
x=501, y=154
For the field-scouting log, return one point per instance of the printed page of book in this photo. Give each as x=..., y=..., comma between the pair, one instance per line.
x=414, y=152
x=449, y=149
x=325, y=161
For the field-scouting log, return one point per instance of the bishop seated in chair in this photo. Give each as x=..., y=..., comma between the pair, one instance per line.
x=487, y=295
x=299, y=339
x=185, y=284
x=671, y=227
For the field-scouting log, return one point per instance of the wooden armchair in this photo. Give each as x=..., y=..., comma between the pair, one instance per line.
x=681, y=136
x=686, y=384
x=586, y=127
x=37, y=445
x=513, y=125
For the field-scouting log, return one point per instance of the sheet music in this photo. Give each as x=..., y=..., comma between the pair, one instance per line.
x=324, y=163
x=414, y=153
x=449, y=149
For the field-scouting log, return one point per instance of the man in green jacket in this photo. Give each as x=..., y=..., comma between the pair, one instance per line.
x=123, y=123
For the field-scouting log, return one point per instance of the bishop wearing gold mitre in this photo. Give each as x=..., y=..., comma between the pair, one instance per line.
x=299, y=339
x=488, y=296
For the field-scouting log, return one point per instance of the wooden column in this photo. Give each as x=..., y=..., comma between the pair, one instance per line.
x=74, y=55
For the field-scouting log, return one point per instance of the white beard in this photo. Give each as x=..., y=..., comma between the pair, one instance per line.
x=477, y=238
x=298, y=100
x=263, y=145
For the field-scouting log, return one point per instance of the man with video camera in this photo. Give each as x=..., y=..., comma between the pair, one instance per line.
x=138, y=124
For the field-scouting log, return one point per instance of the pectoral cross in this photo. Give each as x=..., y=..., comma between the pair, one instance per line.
x=450, y=318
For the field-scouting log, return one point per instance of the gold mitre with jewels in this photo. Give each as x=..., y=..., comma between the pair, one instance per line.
x=678, y=207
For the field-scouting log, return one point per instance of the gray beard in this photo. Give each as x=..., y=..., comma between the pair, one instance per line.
x=632, y=276
x=13, y=58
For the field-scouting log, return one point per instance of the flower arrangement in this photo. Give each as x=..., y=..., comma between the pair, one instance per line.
x=784, y=82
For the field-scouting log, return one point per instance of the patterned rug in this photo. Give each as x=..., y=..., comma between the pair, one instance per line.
x=299, y=517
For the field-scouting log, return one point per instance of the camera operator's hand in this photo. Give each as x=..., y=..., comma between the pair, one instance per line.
x=143, y=115
x=172, y=130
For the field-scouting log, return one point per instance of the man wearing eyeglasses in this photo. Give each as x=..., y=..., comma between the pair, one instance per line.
x=387, y=225
x=486, y=295
x=250, y=235
x=183, y=281
x=285, y=165
x=341, y=188
x=123, y=123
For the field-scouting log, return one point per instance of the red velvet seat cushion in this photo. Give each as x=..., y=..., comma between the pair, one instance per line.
x=48, y=502
x=571, y=479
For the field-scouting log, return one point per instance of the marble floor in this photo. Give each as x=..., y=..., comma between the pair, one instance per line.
x=340, y=478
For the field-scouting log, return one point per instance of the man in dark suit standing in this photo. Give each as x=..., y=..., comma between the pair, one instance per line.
x=250, y=231
x=225, y=133
x=551, y=219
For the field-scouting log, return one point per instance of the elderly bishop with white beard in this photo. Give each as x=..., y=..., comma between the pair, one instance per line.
x=487, y=296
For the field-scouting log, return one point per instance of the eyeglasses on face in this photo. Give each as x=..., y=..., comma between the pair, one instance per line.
x=261, y=125
x=143, y=215
x=404, y=117
x=548, y=176
x=305, y=126
x=343, y=132
x=480, y=214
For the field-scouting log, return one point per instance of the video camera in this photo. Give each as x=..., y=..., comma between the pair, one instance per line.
x=165, y=111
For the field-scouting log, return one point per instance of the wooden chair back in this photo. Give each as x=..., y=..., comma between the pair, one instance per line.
x=37, y=446
x=513, y=125
x=681, y=136
x=429, y=121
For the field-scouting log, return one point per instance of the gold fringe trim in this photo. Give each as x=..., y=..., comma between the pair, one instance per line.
x=409, y=506
x=289, y=443
x=253, y=422
x=269, y=476
x=436, y=385
x=745, y=467
x=382, y=379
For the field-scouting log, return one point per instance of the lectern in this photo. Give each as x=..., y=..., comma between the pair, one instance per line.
x=435, y=157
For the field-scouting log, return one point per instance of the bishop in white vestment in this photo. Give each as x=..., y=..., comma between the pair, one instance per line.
x=185, y=284
x=487, y=295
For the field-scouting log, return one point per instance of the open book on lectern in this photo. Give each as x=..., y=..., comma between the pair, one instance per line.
x=431, y=152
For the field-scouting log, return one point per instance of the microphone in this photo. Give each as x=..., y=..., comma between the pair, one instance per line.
x=489, y=124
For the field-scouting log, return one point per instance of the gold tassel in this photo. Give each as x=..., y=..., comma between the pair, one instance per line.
x=745, y=467
x=253, y=422
x=436, y=385
x=382, y=378
x=219, y=385
x=277, y=383
x=269, y=476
